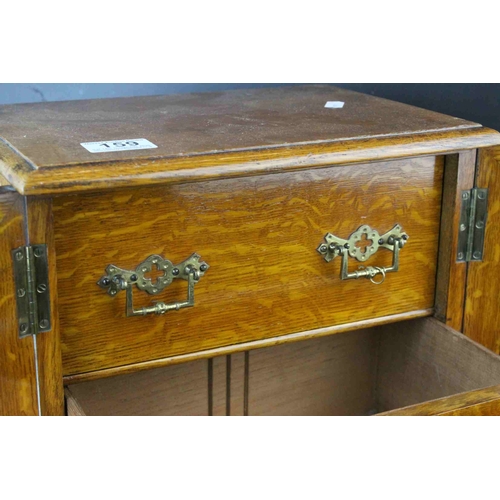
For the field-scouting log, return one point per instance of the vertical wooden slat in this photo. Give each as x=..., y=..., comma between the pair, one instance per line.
x=219, y=386
x=210, y=368
x=18, y=394
x=452, y=276
x=246, y=387
x=228, y=385
x=482, y=306
x=237, y=383
x=40, y=230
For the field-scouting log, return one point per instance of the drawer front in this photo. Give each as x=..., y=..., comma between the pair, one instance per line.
x=259, y=235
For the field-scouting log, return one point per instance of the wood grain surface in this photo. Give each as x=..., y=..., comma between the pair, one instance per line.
x=39, y=222
x=260, y=236
x=18, y=394
x=452, y=275
x=482, y=306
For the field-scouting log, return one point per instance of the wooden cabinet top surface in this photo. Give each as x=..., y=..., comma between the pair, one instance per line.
x=49, y=134
x=207, y=135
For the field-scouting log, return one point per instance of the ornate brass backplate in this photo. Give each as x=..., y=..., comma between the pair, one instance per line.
x=393, y=240
x=118, y=279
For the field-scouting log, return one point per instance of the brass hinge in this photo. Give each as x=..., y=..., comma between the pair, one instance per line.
x=31, y=274
x=472, y=225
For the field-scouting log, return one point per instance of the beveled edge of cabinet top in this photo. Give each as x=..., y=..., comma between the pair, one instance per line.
x=28, y=180
x=216, y=135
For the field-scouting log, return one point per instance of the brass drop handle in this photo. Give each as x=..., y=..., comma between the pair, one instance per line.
x=118, y=279
x=393, y=240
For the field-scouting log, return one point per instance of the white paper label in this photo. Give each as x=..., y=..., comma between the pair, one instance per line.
x=118, y=145
x=334, y=104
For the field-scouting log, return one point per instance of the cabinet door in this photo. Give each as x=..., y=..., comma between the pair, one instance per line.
x=18, y=390
x=30, y=367
x=482, y=307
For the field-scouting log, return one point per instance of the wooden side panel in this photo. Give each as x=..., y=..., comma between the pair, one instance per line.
x=482, y=306
x=452, y=276
x=483, y=402
x=41, y=230
x=219, y=385
x=239, y=379
x=424, y=359
x=329, y=376
x=18, y=395
x=260, y=236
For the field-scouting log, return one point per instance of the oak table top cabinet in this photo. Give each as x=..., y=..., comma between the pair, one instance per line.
x=287, y=251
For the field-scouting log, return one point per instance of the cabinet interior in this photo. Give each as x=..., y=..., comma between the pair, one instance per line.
x=364, y=372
